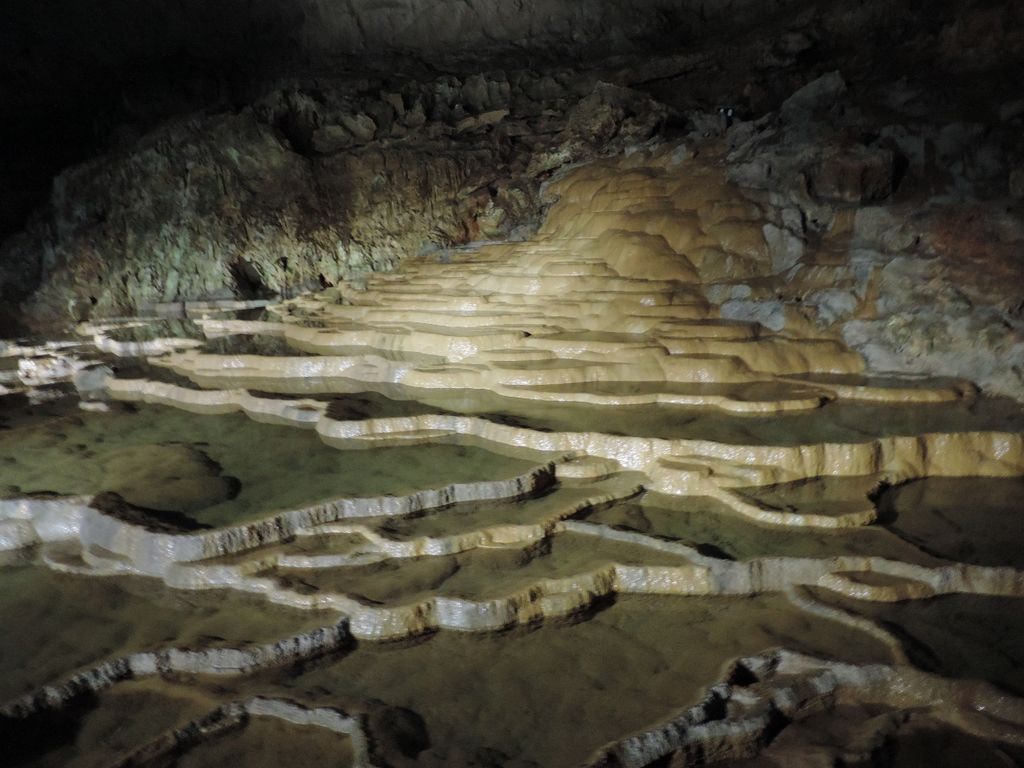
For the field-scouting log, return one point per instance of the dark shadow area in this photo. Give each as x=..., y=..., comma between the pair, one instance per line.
x=27, y=739
x=960, y=636
x=977, y=520
x=110, y=503
x=248, y=282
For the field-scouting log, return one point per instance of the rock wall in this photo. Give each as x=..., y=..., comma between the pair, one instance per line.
x=896, y=229
x=79, y=79
x=883, y=142
x=310, y=184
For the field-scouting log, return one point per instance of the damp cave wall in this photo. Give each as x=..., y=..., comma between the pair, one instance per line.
x=159, y=152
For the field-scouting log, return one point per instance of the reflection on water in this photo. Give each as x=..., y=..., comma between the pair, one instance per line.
x=943, y=634
x=55, y=624
x=966, y=519
x=217, y=469
x=714, y=529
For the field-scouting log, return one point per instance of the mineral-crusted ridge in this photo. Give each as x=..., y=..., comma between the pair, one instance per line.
x=548, y=347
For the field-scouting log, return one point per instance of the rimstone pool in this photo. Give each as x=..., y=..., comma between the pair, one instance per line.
x=531, y=506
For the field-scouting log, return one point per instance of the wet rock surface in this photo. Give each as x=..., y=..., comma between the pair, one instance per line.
x=890, y=205
x=642, y=390
x=526, y=503
x=303, y=188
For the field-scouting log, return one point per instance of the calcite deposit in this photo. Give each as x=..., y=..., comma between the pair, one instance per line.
x=538, y=385
x=561, y=445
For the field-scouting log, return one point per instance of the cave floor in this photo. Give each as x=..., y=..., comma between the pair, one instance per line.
x=532, y=504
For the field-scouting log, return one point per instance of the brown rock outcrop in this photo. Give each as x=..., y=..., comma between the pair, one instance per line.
x=300, y=191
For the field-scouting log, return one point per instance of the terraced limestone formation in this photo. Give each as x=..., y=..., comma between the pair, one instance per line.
x=528, y=503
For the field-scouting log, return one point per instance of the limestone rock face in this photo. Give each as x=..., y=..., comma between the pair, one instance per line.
x=814, y=99
x=337, y=140
x=83, y=80
x=890, y=227
x=298, y=192
x=592, y=445
x=856, y=175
